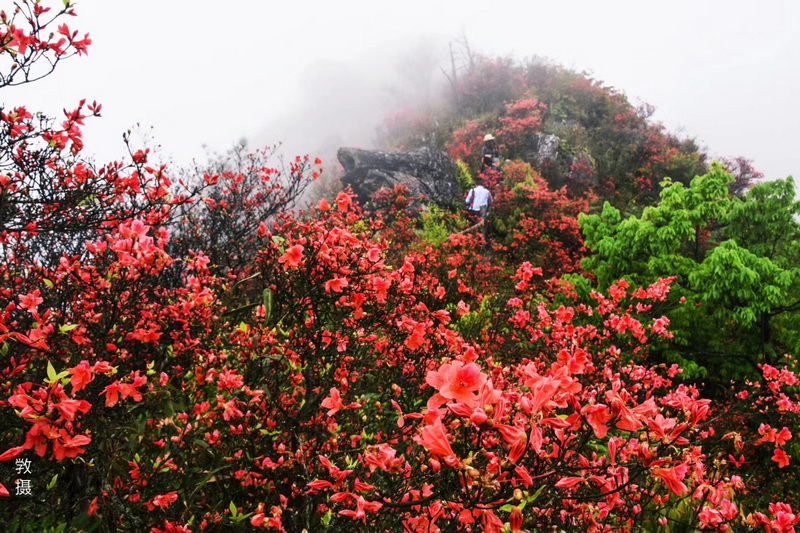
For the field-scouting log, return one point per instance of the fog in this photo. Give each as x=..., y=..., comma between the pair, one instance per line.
x=318, y=75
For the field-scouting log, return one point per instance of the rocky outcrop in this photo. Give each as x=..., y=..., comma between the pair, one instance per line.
x=425, y=172
x=559, y=164
x=545, y=149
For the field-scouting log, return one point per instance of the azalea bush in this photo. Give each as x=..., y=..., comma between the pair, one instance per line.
x=552, y=423
x=241, y=188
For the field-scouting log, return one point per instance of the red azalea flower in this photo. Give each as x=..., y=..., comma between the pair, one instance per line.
x=31, y=301
x=781, y=458
x=335, y=285
x=434, y=439
x=293, y=256
x=457, y=381
x=673, y=478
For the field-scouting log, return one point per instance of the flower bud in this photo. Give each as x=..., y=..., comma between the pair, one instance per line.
x=478, y=417
x=516, y=518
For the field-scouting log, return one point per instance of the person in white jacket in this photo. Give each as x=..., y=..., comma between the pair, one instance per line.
x=479, y=200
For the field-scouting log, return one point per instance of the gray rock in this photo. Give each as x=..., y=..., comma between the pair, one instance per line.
x=542, y=150
x=426, y=172
x=547, y=148
x=559, y=164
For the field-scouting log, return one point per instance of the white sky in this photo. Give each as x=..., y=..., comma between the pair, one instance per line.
x=724, y=71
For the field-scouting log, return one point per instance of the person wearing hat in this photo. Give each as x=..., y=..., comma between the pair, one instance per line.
x=490, y=155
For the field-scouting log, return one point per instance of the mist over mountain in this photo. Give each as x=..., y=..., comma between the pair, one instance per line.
x=344, y=101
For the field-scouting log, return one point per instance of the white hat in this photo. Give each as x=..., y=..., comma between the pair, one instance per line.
x=488, y=137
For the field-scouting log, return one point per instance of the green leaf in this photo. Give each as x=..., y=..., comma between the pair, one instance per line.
x=535, y=495
x=254, y=276
x=52, y=375
x=267, y=299
x=52, y=482
x=241, y=309
x=49, y=283
x=202, y=443
x=233, y=509
x=66, y=328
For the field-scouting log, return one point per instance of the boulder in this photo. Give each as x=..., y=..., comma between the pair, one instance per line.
x=559, y=164
x=426, y=172
x=544, y=153
x=542, y=150
x=547, y=148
